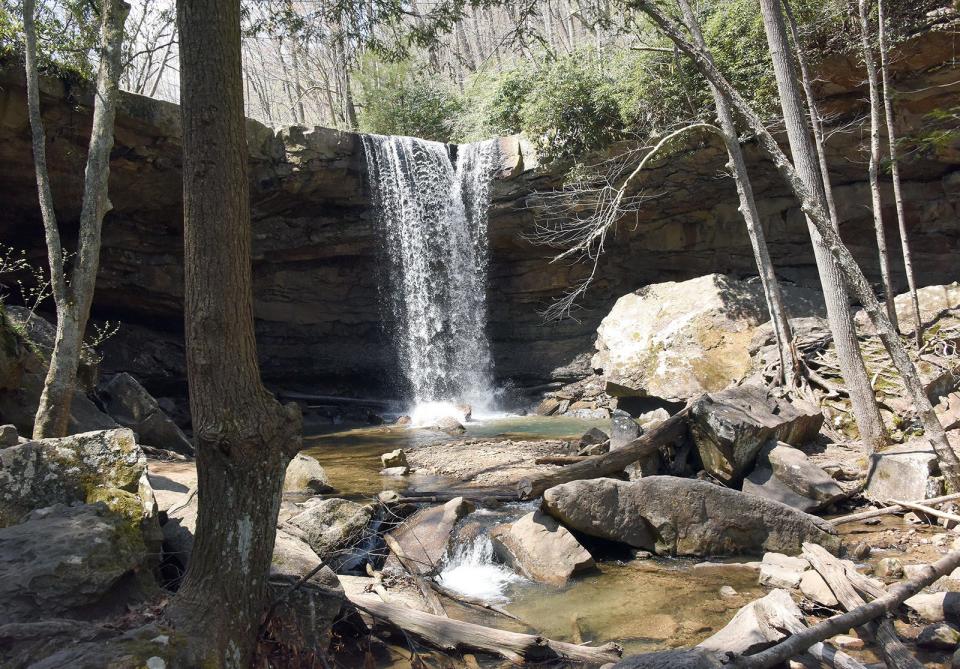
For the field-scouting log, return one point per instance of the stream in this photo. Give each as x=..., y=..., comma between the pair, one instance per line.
x=643, y=604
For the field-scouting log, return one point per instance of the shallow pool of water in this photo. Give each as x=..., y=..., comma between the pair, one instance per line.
x=351, y=456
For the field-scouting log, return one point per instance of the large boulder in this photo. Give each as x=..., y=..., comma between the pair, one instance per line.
x=67, y=470
x=785, y=474
x=677, y=516
x=132, y=406
x=541, y=549
x=425, y=536
x=333, y=528
x=304, y=619
x=675, y=340
x=305, y=474
x=903, y=472
x=934, y=301
x=730, y=427
x=62, y=559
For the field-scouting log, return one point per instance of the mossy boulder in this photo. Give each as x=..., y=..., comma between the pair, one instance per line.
x=64, y=559
x=67, y=470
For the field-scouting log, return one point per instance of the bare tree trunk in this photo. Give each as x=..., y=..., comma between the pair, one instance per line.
x=874, y=170
x=751, y=217
x=862, y=397
x=816, y=122
x=244, y=437
x=817, y=214
x=895, y=174
x=73, y=298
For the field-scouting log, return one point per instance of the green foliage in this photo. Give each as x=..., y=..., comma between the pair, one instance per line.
x=66, y=35
x=404, y=99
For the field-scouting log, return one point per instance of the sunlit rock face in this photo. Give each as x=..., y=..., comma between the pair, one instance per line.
x=316, y=248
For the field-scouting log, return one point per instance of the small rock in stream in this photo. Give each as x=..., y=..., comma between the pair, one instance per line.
x=861, y=551
x=889, y=568
x=395, y=458
x=727, y=592
x=939, y=636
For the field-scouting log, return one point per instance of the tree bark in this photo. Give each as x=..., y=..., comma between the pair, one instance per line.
x=862, y=398
x=895, y=174
x=817, y=215
x=73, y=298
x=789, y=364
x=874, y=169
x=244, y=437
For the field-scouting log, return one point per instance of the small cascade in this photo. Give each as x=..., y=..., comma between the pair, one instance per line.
x=432, y=216
x=471, y=570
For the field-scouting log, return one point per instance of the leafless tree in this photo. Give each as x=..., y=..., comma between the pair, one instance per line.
x=817, y=214
x=73, y=295
x=874, y=170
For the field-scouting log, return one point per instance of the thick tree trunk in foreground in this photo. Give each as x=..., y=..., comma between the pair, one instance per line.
x=895, y=174
x=817, y=214
x=244, y=437
x=874, y=169
x=73, y=298
x=862, y=398
x=789, y=364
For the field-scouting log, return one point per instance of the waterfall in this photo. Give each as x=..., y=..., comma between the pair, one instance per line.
x=432, y=218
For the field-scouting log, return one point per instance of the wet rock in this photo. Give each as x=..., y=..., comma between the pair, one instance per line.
x=465, y=410
x=64, y=471
x=396, y=458
x=425, y=536
x=816, y=589
x=305, y=474
x=450, y=426
x=729, y=428
x=8, y=436
x=936, y=607
x=676, y=516
x=888, y=569
x=128, y=403
x=403, y=420
x=675, y=340
x=332, y=527
x=541, y=549
x=758, y=625
x=905, y=472
x=395, y=471
x=592, y=437
x=939, y=637
x=786, y=475
x=61, y=559
x=861, y=551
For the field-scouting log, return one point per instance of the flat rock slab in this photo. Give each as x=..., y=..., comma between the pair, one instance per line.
x=785, y=474
x=904, y=472
x=677, y=516
x=730, y=427
x=758, y=625
x=541, y=549
x=425, y=536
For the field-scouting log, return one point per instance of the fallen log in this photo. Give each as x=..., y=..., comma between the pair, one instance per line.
x=895, y=654
x=472, y=601
x=561, y=459
x=597, y=466
x=894, y=597
x=928, y=510
x=894, y=508
x=457, y=636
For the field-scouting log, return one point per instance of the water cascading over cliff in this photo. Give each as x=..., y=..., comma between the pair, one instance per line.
x=432, y=216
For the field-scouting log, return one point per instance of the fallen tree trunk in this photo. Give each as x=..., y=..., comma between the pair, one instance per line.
x=561, y=459
x=927, y=510
x=455, y=635
x=887, y=510
x=894, y=597
x=429, y=596
x=610, y=463
x=834, y=573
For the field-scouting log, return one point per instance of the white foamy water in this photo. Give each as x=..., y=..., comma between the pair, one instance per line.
x=471, y=571
x=433, y=221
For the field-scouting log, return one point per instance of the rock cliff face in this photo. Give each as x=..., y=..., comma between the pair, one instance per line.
x=316, y=249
